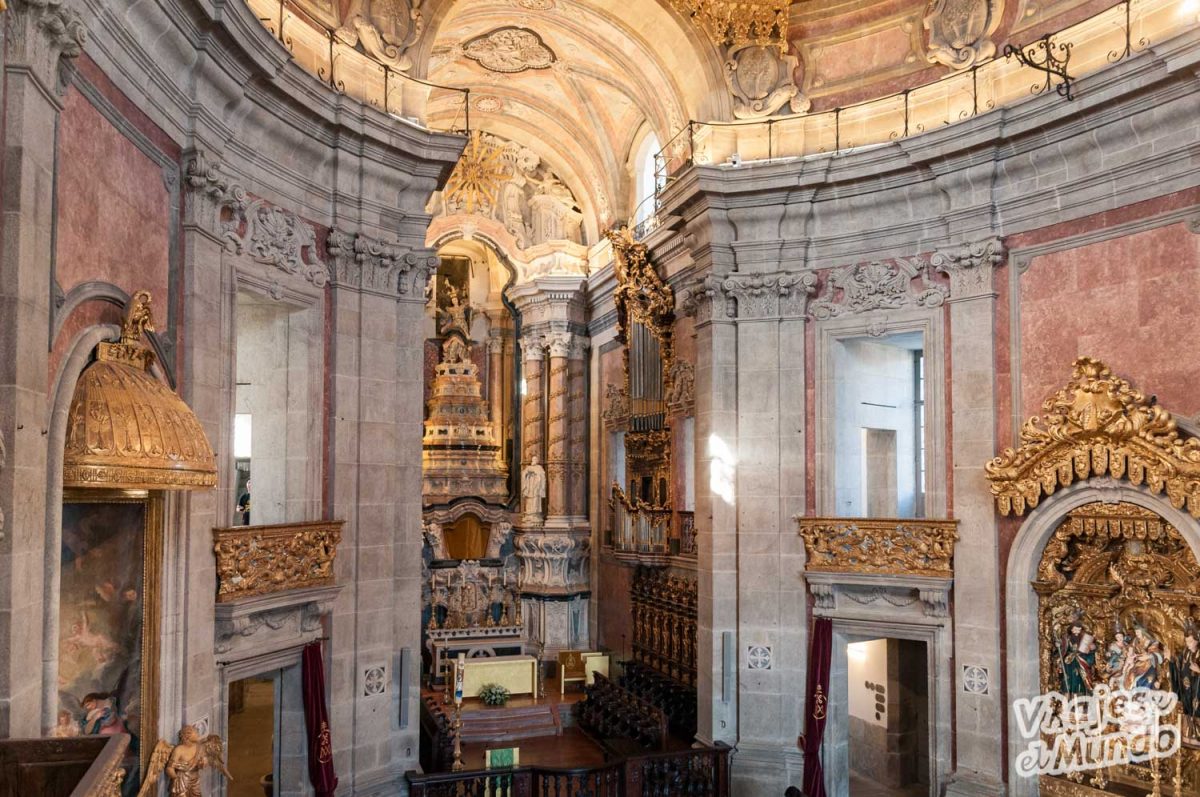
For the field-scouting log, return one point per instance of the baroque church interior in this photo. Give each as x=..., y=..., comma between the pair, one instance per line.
x=457, y=398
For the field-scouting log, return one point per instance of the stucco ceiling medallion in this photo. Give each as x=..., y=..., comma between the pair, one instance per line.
x=959, y=31
x=488, y=104
x=509, y=50
x=761, y=81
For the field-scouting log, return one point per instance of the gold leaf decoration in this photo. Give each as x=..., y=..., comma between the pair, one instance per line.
x=1097, y=425
x=898, y=546
x=478, y=176
x=256, y=560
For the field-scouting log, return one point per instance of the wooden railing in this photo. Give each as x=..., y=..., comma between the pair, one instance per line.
x=696, y=772
x=257, y=560
x=611, y=711
x=82, y=766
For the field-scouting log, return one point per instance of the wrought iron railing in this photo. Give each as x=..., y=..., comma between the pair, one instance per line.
x=257, y=560
x=896, y=546
x=349, y=70
x=1058, y=60
x=700, y=772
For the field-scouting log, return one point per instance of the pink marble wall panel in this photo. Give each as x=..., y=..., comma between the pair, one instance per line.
x=113, y=207
x=1129, y=301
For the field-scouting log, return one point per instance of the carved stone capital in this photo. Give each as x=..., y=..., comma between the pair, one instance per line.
x=495, y=342
x=763, y=296
x=559, y=344
x=364, y=263
x=533, y=350
x=553, y=563
x=969, y=266
x=39, y=33
x=698, y=297
x=209, y=193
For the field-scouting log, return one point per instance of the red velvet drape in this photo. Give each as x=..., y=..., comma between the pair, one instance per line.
x=820, y=650
x=316, y=720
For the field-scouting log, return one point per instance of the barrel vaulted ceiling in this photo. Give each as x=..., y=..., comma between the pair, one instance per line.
x=579, y=82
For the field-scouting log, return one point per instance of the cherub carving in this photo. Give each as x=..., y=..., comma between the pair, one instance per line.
x=183, y=763
x=139, y=319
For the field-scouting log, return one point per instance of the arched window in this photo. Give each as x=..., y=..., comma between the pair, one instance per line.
x=645, y=177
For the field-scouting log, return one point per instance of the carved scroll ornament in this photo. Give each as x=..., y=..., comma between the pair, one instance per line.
x=1097, y=425
x=256, y=560
x=959, y=31
x=879, y=545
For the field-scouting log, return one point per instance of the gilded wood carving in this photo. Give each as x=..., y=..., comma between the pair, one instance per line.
x=256, y=560
x=1097, y=425
x=1118, y=604
x=883, y=545
x=128, y=430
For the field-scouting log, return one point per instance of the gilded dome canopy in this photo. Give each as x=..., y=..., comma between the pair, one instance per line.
x=126, y=429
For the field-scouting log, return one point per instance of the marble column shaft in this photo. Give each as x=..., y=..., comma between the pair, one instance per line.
x=557, y=430
x=577, y=410
x=532, y=414
x=495, y=346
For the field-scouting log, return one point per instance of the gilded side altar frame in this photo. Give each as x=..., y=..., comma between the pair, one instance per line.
x=153, y=534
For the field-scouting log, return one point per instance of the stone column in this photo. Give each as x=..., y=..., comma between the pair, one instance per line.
x=36, y=36
x=577, y=412
x=980, y=758
x=556, y=442
x=495, y=346
x=533, y=417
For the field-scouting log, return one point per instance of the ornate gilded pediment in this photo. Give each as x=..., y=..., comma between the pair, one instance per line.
x=1097, y=425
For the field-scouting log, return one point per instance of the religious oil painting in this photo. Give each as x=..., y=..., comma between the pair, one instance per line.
x=108, y=609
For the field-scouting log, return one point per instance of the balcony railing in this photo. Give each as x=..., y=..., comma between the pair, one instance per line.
x=640, y=528
x=82, y=766
x=257, y=560
x=890, y=546
x=702, y=772
x=1112, y=35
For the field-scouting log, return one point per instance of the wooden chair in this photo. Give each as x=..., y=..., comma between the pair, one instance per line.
x=570, y=668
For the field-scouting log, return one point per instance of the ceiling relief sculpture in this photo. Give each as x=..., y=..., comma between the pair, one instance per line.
x=509, y=184
x=384, y=28
x=577, y=81
x=761, y=81
x=959, y=31
x=509, y=50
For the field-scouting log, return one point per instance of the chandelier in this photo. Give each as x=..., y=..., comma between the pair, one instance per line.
x=734, y=22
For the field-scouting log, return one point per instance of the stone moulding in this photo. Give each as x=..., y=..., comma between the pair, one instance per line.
x=899, y=546
x=258, y=560
x=1097, y=425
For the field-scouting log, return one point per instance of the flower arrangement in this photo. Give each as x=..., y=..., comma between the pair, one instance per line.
x=494, y=694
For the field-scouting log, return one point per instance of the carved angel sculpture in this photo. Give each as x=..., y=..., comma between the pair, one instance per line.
x=183, y=763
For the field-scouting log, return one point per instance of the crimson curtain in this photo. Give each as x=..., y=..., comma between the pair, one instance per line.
x=316, y=720
x=820, y=650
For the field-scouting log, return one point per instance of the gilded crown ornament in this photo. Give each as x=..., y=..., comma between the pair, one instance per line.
x=127, y=429
x=739, y=21
x=1097, y=425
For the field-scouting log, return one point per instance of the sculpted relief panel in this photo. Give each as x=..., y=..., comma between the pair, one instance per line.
x=508, y=183
x=509, y=50
x=959, y=31
x=384, y=28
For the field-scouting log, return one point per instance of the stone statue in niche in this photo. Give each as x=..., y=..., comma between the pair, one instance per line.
x=533, y=489
x=386, y=29
x=761, y=79
x=435, y=538
x=959, y=31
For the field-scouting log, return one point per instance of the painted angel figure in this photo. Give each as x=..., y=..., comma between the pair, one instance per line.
x=183, y=763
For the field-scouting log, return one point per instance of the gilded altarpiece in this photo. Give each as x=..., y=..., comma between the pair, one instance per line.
x=1118, y=605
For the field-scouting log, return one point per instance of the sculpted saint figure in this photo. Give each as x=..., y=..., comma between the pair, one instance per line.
x=183, y=763
x=436, y=540
x=533, y=487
